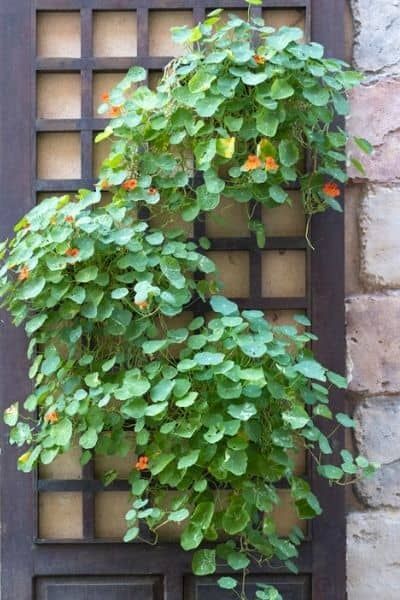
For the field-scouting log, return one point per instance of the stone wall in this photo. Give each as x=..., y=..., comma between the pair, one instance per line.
x=373, y=302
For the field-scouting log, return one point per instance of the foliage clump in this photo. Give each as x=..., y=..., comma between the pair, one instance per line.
x=218, y=409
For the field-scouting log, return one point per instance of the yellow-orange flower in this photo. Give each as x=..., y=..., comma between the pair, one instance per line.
x=142, y=305
x=51, y=417
x=260, y=60
x=252, y=162
x=331, y=189
x=129, y=184
x=142, y=463
x=104, y=185
x=23, y=274
x=271, y=164
x=69, y=219
x=115, y=111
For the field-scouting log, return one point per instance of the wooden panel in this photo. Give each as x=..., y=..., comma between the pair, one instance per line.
x=59, y=34
x=229, y=219
x=65, y=466
x=291, y=587
x=284, y=273
x=233, y=271
x=110, y=511
x=99, y=588
x=58, y=156
x=114, y=33
x=59, y=95
x=60, y=515
x=160, y=23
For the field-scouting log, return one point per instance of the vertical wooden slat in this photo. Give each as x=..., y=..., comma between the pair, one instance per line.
x=327, y=272
x=16, y=166
x=87, y=91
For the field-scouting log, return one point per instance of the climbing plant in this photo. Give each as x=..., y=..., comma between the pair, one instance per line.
x=218, y=409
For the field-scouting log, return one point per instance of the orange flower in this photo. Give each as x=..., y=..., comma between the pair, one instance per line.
x=104, y=185
x=271, y=164
x=115, y=111
x=142, y=305
x=142, y=463
x=105, y=97
x=152, y=191
x=69, y=219
x=252, y=162
x=260, y=60
x=51, y=417
x=331, y=189
x=72, y=252
x=129, y=184
x=23, y=274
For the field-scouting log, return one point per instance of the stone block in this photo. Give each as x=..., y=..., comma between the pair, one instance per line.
x=378, y=438
x=375, y=115
x=377, y=40
x=373, y=343
x=373, y=555
x=380, y=239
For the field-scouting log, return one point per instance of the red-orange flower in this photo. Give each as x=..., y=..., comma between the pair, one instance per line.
x=105, y=97
x=152, y=191
x=252, y=162
x=129, y=184
x=23, y=274
x=69, y=219
x=331, y=189
x=115, y=111
x=271, y=164
x=142, y=463
x=260, y=60
x=72, y=252
x=51, y=417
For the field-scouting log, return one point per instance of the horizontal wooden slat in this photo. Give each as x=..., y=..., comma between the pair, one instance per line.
x=159, y=4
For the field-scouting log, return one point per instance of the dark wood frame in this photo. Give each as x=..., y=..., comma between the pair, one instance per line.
x=322, y=561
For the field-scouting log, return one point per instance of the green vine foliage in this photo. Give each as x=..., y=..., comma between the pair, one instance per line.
x=218, y=409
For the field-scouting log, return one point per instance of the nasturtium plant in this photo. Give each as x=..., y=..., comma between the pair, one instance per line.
x=212, y=413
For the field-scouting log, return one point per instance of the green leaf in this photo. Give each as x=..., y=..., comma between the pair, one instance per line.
x=162, y=391
x=87, y=274
x=281, y=89
x=296, y=418
x=89, y=438
x=159, y=463
x=225, y=147
x=201, y=81
x=310, y=369
x=131, y=534
x=223, y=306
x=228, y=583
x=119, y=293
x=243, y=412
x=283, y=37
x=209, y=358
x=288, y=153
x=330, y=472
x=103, y=135
x=191, y=537
x=178, y=515
x=32, y=288
x=188, y=460
x=267, y=122
x=10, y=415
x=235, y=518
x=338, y=380
x=152, y=346
x=50, y=364
x=345, y=420
x=34, y=324
x=61, y=432
x=203, y=514
x=364, y=145
x=237, y=561
x=236, y=462
x=317, y=95
x=278, y=194
x=203, y=562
